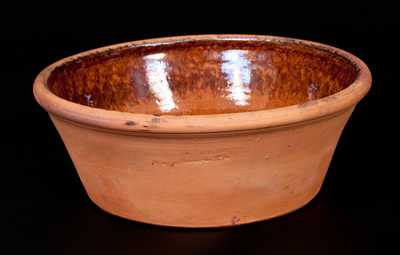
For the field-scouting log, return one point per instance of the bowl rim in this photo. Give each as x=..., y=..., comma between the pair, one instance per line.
x=224, y=122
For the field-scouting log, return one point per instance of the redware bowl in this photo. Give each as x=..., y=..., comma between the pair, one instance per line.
x=203, y=131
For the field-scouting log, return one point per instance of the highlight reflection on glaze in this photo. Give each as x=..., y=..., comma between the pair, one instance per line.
x=236, y=68
x=156, y=74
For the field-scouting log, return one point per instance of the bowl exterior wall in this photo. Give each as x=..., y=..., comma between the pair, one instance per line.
x=203, y=180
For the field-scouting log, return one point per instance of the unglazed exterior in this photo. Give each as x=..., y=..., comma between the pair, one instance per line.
x=203, y=131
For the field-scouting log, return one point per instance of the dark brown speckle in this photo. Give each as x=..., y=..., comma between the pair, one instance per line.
x=130, y=123
x=235, y=220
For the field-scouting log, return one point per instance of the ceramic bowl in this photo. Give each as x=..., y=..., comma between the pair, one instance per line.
x=203, y=131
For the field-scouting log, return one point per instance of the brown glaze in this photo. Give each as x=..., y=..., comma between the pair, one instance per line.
x=209, y=153
x=202, y=77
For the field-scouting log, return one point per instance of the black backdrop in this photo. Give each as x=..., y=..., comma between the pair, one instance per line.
x=46, y=207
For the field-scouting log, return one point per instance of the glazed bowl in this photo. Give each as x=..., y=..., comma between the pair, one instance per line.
x=203, y=131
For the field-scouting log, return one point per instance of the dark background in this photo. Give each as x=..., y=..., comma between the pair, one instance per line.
x=47, y=209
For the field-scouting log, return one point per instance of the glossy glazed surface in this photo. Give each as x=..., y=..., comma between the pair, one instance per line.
x=202, y=77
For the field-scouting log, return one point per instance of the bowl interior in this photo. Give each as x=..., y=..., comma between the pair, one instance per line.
x=202, y=77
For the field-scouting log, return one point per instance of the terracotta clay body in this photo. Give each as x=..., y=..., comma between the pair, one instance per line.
x=203, y=131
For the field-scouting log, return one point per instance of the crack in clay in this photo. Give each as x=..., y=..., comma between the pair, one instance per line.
x=190, y=161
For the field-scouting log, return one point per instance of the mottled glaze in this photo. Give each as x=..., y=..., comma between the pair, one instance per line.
x=203, y=131
x=202, y=77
